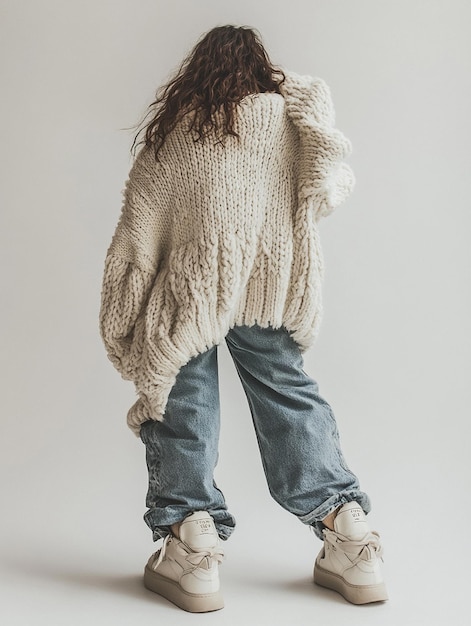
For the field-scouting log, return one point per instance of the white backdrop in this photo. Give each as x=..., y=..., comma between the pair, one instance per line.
x=392, y=358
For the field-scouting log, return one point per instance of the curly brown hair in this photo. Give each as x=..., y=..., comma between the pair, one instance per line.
x=226, y=64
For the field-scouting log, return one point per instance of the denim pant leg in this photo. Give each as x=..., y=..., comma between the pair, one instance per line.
x=296, y=429
x=182, y=451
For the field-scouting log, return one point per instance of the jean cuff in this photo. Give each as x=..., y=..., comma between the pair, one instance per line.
x=224, y=523
x=315, y=517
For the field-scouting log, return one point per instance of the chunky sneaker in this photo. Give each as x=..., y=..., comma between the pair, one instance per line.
x=349, y=561
x=185, y=570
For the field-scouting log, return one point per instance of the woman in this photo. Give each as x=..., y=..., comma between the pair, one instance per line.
x=218, y=239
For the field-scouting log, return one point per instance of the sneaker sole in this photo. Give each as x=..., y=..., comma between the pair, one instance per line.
x=171, y=590
x=356, y=594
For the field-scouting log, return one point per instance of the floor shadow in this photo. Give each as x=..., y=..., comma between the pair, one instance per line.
x=301, y=586
x=130, y=585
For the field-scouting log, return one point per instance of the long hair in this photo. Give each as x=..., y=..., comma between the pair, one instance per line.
x=226, y=64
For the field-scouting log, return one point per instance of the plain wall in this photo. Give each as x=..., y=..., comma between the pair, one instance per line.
x=393, y=354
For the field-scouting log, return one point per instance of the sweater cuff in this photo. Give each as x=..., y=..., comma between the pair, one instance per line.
x=338, y=186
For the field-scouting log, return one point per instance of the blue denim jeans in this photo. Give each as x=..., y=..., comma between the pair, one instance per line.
x=295, y=427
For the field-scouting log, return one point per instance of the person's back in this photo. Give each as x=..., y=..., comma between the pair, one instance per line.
x=218, y=240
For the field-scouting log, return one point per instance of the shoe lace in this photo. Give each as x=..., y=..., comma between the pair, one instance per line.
x=368, y=547
x=194, y=558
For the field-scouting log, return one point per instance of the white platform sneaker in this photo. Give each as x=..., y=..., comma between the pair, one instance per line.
x=186, y=570
x=349, y=562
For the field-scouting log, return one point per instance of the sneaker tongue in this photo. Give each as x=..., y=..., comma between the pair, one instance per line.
x=198, y=531
x=351, y=521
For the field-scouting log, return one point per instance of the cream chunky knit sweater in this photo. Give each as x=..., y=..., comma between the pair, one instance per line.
x=215, y=236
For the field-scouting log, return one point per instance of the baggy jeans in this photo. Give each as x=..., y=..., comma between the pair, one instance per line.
x=295, y=427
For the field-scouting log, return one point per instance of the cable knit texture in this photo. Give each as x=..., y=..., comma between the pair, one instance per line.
x=217, y=235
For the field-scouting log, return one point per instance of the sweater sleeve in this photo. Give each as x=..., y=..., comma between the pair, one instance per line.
x=132, y=262
x=325, y=179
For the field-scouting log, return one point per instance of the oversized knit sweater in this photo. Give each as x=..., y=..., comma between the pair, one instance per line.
x=216, y=235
